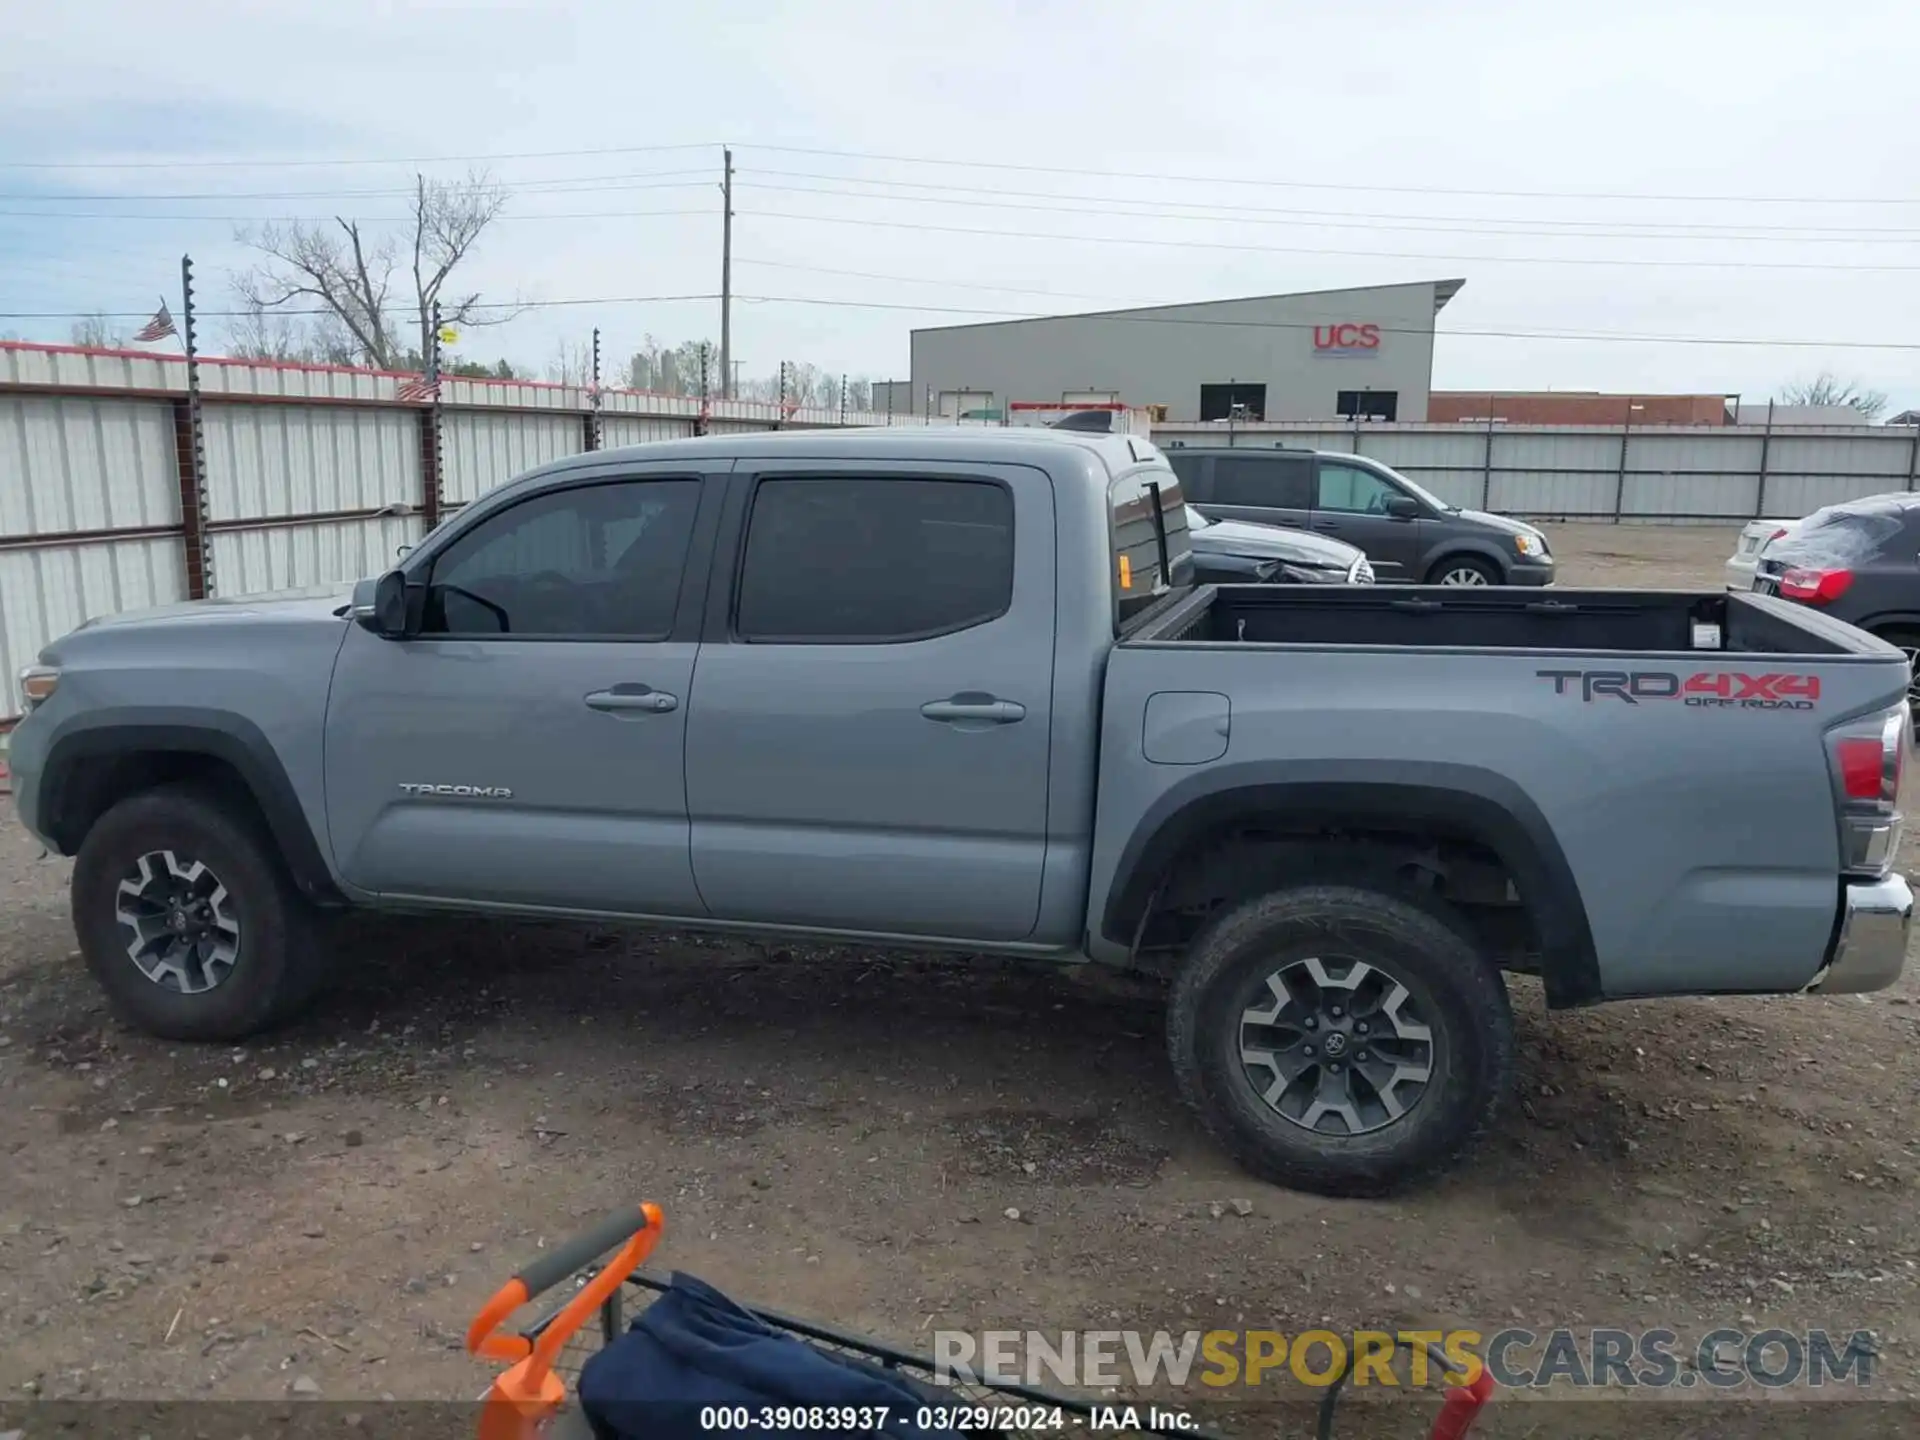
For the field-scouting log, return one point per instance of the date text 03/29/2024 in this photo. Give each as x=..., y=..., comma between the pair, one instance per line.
x=984, y=1419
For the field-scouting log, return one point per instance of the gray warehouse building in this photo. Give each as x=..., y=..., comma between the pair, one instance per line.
x=1323, y=353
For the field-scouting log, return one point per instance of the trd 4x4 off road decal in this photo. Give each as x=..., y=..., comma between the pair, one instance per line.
x=1711, y=689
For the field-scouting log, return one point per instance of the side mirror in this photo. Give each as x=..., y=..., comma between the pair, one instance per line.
x=1403, y=507
x=390, y=614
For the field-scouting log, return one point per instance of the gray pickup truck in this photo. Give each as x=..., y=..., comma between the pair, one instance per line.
x=951, y=689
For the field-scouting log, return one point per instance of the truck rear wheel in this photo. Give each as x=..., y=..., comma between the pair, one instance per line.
x=1340, y=1039
x=188, y=921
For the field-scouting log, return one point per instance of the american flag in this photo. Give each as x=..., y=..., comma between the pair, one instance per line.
x=420, y=387
x=158, y=328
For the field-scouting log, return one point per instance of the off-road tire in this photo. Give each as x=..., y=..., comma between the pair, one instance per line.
x=277, y=968
x=1414, y=939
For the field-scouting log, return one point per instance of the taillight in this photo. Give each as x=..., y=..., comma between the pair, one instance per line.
x=1869, y=759
x=1816, y=587
x=1773, y=537
x=1860, y=765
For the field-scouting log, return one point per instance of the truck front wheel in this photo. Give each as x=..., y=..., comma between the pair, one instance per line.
x=187, y=919
x=1341, y=1039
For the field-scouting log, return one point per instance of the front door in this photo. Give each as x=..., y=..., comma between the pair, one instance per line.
x=1350, y=503
x=526, y=748
x=868, y=746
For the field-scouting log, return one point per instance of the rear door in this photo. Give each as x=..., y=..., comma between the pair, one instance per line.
x=1350, y=503
x=1273, y=487
x=868, y=743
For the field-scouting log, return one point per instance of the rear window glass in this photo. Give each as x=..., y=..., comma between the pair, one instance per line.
x=1271, y=482
x=1136, y=574
x=1843, y=536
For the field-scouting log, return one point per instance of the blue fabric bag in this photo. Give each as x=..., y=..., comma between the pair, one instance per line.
x=693, y=1349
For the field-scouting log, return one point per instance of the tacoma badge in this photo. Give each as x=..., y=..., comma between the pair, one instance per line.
x=462, y=792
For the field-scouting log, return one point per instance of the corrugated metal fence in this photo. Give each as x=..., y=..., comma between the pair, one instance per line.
x=1672, y=474
x=314, y=475
x=317, y=475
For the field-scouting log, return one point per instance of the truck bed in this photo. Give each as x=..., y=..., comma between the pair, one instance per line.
x=1645, y=622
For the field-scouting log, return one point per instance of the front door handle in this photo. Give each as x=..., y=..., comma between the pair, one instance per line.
x=977, y=708
x=1326, y=524
x=627, y=698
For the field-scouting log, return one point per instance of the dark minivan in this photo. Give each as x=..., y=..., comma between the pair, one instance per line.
x=1860, y=562
x=1411, y=536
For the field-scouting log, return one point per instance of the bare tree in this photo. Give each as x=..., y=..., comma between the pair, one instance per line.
x=98, y=332
x=572, y=363
x=1828, y=389
x=258, y=334
x=351, y=276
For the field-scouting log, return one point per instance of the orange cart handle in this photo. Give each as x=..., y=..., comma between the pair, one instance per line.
x=639, y=1229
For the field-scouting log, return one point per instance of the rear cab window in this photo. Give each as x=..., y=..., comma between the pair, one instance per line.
x=1136, y=574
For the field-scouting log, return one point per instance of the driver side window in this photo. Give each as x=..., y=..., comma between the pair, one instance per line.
x=590, y=561
x=1349, y=488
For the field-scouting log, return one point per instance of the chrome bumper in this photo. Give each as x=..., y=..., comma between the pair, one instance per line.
x=1875, y=917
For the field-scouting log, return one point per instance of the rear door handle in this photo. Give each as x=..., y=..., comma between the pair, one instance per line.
x=982, y=709
x=628, y=698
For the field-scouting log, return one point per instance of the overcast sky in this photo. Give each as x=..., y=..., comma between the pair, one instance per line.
x=1753, y=161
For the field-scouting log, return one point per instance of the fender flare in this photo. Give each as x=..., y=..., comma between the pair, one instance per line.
x=1461, y=801
x=90, y=741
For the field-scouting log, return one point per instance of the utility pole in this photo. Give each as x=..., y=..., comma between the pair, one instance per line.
x=726, y=278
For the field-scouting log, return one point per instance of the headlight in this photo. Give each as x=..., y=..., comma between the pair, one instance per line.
x=1530, y=545
x=37, y=684
x=1361, y=572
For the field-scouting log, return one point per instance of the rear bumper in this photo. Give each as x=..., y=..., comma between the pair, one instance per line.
x=1530, y=572
x=1740, y=571
x=1871, y=945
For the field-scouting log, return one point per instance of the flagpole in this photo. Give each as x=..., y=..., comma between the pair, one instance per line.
x=197, y=448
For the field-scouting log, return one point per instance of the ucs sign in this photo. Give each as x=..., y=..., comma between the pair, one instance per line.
x=1346, y=340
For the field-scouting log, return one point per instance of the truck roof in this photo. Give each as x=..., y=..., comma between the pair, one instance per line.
x=1003, y=444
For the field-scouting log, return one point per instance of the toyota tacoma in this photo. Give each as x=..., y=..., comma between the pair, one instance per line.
x=953, y=689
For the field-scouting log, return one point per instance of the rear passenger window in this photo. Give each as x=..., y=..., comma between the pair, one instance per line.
x=1277, y=482
x=868, y=561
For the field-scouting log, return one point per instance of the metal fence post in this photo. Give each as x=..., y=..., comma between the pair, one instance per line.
x=1486, y=466
x=1620, y=480
x=1766, y=444
x=594, y=436
x=190, y=445
x=1913, y=456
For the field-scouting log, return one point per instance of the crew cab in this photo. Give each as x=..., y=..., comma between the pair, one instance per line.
x=950, y=689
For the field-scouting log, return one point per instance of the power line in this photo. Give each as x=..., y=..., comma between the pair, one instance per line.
x=1214, y=218
x=272, y=312
x=329, y=219
x=355, y=160
x=1343, y=252
x=1083, y=171
x=1628, y=226
x=1118, y=317
x=946, y=284
x=559, y=185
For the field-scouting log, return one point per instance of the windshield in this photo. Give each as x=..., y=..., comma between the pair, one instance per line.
x=1416, y=489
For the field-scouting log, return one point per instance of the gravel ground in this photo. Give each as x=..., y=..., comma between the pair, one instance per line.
x=852, y=1136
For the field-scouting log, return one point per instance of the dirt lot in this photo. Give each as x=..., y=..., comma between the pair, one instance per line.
x=846, y=1136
